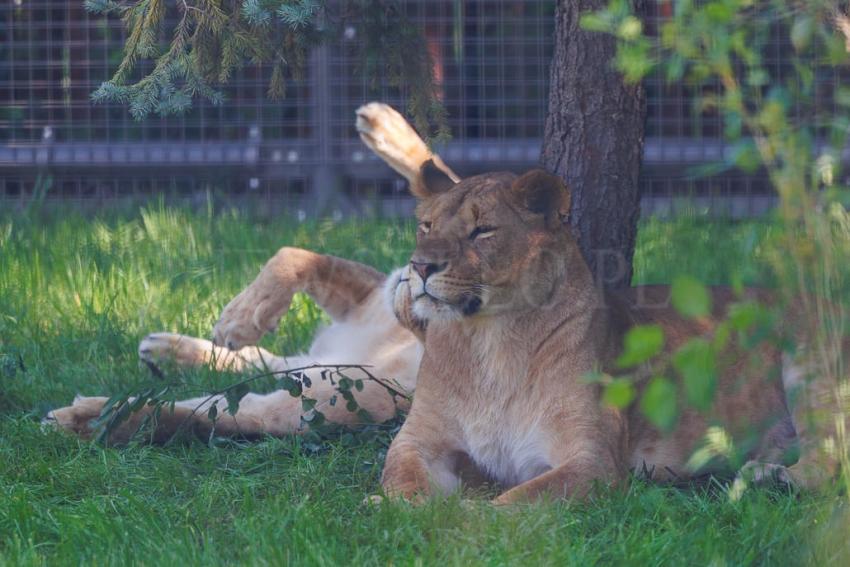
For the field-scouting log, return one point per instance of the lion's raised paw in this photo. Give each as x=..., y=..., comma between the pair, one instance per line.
x=380, y=124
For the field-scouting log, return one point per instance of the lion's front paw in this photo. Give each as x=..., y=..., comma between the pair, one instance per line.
x=157, y=348
x=257, y=310
x=77, y=418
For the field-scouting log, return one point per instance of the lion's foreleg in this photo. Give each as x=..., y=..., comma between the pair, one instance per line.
x=193, y=352
x=407, y=475
x=418, y=467
x=586, y=468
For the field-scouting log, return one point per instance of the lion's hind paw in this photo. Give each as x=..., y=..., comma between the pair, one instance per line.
x=78, y=418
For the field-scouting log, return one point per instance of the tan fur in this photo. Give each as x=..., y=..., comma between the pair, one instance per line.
x=514, y=323
x=364, y=330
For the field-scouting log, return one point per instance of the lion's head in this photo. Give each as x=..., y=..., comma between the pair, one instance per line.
x=487, y=244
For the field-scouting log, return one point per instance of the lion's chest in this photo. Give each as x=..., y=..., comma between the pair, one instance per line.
x=500, y=424
x=510, y=451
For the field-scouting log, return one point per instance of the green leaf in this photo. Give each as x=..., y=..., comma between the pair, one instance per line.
x=721, y=336
x=719, y=12
x=773, y=116
x=758, y=77
x=596, y=21
x=315, y=419
x=836, y=50
x=234, y=396
x=595, y=377
x=675, y=68
x=619, y=393
x=802, y=31
x=634, y=60
x=695, y=361
x=744, y=315
x=658, y=403
x=733, y=124
x=212, y=413
x=842, y=96
x=690, y=297
x=630, y=29
x=737, y=284
x=641, y=344
x=290, y=385
x=307, y=403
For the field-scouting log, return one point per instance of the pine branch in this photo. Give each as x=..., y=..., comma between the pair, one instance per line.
x=211, y=39
x=101, y=6
x=299, y=14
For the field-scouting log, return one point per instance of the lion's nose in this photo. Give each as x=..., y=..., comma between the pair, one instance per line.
x=427, y=269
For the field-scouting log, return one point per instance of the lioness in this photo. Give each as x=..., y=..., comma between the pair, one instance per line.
x=364, y=330
x=515, y=323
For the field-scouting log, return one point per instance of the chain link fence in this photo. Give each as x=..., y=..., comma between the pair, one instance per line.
x=302, y=154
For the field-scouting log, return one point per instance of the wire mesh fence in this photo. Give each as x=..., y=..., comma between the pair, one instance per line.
x=302, y=153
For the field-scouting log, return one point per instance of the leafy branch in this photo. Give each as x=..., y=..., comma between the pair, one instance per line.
x=295, y=381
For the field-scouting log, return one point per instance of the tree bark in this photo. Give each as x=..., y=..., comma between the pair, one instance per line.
x=594, y=141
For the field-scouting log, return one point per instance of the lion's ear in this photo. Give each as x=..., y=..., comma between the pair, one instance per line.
x=543, y=193
x=432, y=181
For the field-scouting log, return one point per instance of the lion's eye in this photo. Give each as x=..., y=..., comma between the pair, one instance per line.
x=482, y=232
x=425, y=227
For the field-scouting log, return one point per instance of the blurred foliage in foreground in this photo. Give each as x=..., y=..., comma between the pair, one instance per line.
x=794, y=132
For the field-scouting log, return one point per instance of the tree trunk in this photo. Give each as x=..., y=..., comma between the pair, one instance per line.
x=594, y=141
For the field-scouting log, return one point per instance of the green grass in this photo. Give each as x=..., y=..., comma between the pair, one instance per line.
x=77, y=294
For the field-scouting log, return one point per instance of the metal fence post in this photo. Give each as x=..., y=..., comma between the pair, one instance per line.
x=326, y=179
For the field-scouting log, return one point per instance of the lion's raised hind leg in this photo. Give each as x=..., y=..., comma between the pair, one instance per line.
x=394, y=140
